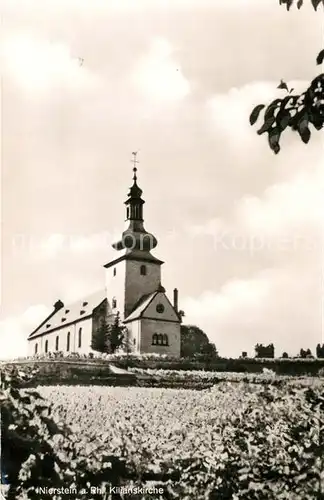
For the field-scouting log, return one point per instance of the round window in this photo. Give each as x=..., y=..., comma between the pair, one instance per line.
x=160, y=308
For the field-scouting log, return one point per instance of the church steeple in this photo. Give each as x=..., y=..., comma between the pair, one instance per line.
x=135, y=237
x=134, y=203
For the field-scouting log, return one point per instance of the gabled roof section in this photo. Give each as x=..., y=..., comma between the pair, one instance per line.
x=140, y=307
x=70, y=313
x=146, y=308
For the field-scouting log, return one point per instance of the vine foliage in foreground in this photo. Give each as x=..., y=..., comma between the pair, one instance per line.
x=247, y=441
x=41, y=451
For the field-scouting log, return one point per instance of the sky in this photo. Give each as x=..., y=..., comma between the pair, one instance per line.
x=240, y=229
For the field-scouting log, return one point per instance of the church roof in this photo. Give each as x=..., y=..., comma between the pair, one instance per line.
x=70, y=313
x=143, y=304
x=140, y=307
x=133, y=254
x=135, y=191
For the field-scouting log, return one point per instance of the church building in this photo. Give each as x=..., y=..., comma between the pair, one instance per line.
x=133, y=289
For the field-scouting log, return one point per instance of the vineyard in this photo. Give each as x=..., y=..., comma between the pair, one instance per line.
x=235, y=440
x=207, y=378
x=281, y=366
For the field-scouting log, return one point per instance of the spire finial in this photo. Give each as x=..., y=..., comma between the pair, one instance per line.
x=135, y=161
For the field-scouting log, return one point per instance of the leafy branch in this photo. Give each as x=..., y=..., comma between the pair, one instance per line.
x=289, y=3
x=293, y=111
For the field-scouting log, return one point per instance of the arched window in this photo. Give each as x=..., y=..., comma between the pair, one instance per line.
x=36, y=348
x=143, y=270
x=114, y=303
x=154, y=339
x=160, y=339
x=46, y=345
x=165, y=340
x=115, y=271
x=68, y=341
x=80, y=337
x=127, y=212
x=57, y=343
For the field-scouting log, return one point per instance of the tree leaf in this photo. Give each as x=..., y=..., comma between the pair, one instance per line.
x=304, y=134
x=300, y=3
x=289, y=3
x=296, y=119
x=267, y=125
x=289, y=99
x=282, y=85
x=255, y=113
x=320, y=57
x=271, y=108
x=276, y=148
x=273, y=138
x=318, y=125
x=316, y=3
x=283, y=119
x=303, y=123
x=318, y=120
x=317, y=82
x=295, y=111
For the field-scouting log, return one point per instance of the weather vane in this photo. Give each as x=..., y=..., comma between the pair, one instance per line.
x=134, y=161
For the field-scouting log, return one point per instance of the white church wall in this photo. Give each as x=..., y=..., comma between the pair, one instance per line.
x=127, y=285
x=86, y=336
x=137, y=284
x=151, y=326
x=115, y=285
x=31, y=346
x=134, y=335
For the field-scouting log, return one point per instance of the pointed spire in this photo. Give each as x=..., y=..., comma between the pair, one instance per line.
x=135, y=236
x=135, y=191
x=135, y=161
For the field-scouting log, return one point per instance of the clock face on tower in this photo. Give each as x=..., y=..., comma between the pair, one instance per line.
x=160, y=308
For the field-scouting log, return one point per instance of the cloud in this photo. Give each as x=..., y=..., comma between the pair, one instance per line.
x=34, y=314
x=282, y=229
x=69, y=130
x=15, y=330
x=39, y=65
x=279, y=305
x=296, y=204
x=158, y=76
x=290, y=209
x=58, y=245
x=231, y=109
x=271, y=241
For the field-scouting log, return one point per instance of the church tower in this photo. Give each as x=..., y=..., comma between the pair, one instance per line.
x=135, y=272
x=133, y=289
